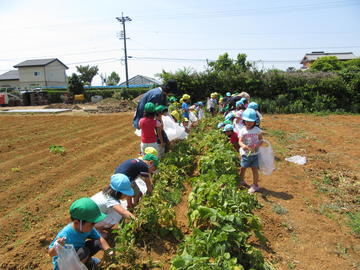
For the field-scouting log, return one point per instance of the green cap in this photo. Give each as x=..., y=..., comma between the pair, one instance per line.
x=86, y=209
x=172, y=99
x=149, y=107
x=227, y=122
x=159, y=108
x=152, y=158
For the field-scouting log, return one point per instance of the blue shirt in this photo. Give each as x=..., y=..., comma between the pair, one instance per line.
x=73, y=237
x=185, y=108
x=156, y=96
x=132, y=168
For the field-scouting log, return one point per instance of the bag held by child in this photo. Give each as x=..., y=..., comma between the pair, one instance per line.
x=266, y=158
x=68, y=259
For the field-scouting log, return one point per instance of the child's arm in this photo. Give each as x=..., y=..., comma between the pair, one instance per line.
x=104, y=244
x=123, y=212
x=242, y=144
x=60, y=241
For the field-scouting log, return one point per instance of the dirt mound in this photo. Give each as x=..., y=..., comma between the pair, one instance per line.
x=112, y=105
x=63, y=106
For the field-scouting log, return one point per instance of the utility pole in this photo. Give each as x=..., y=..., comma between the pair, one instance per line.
x=123, y=19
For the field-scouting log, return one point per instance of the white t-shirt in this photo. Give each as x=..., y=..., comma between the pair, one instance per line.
x=249, y=137
x=104, y=202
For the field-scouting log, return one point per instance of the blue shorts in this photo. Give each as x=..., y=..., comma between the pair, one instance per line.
x=249, y=161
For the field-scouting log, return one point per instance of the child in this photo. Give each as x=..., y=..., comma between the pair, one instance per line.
x=136, y=168
x=148, y=124
x=249, y=140
x=238, y=122
x=212, y=104
x=108, y=201
x=200, y=110
x=233, y=136
x=255, y=106
x=84, y=214
x=163, y=147
x=185, y=106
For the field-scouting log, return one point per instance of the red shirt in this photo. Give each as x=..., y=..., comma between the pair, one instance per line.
x=234, y=138
x=147, y=126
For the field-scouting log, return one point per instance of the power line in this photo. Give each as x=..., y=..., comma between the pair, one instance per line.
x=253, y=11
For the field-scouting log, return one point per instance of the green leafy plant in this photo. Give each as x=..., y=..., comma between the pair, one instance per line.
x=57, y=149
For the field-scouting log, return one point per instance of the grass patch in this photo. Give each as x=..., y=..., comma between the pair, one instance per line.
x=354, y=222
x=278, y=134
x=278, y=209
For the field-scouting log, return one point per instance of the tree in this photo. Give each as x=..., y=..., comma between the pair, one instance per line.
x=326, y=63
x=87, y=73
x=113, y=79
x=75, y=85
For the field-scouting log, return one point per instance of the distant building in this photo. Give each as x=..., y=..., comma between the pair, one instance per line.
x=35, y=73
x=140, y=80
x=309, y=58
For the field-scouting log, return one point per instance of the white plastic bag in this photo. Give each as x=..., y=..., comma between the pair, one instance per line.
x=172, y=129
x=68, y=259
x=300, y=160
x=192, y=117
x=266, y=158
x=138, y=132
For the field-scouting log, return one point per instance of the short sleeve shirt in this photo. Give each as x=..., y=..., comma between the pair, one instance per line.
x=234, y=138
x=249, y=137
x=185, y=108
x=132, y=168
x=148, y=126
x=104, y=202
x=73, y=237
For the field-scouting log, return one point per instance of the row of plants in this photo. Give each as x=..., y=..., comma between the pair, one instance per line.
x=220, y=214
x=156, y=218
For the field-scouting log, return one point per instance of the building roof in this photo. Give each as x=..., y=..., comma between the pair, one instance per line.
x=10, y=75
x=141, y=80
x=38, y=62
x=310, y=57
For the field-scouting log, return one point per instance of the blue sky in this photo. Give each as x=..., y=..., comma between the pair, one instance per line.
x=169, y=35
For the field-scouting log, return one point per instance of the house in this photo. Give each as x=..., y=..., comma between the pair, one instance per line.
x=35, y=73
x=309, y=58
x=141, y=81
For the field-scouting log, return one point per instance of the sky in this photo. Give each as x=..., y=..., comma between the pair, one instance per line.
x=171, y=35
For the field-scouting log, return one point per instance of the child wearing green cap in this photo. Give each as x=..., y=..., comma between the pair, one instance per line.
x=81, y=233
x=138, y=171
x=162, y=138
x=149, y=128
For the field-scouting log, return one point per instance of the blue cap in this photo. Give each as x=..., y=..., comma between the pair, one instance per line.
x=253, y=105
x=229, y=116
x=200, y=103
x=228, y=127
x=249, y=115
x=121, y=183
x=228, y=94
x=220, y=125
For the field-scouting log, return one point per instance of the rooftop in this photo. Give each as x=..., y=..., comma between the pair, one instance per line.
x=38, y=62
x=10, y=75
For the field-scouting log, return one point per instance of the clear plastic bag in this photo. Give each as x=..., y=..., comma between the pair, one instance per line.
x=266, y=158
x=68, y=259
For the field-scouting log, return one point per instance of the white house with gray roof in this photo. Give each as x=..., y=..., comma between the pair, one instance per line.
x=35, y=73
x=310, y=58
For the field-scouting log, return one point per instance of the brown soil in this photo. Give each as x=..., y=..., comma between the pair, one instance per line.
x=37, y=187
x=303, y=230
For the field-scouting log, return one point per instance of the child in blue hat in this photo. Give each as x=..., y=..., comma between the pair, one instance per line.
x=249, y=140
x=233, y=136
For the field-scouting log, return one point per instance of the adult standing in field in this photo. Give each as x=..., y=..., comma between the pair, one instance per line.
x=158, y=96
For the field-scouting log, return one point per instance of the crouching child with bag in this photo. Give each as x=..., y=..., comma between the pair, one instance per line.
x=80, y=234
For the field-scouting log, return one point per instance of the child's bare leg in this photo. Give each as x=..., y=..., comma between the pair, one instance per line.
x=255, y=175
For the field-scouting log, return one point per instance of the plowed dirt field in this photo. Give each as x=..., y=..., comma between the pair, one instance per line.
x=304, y=207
